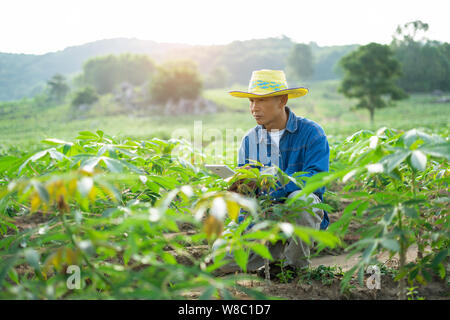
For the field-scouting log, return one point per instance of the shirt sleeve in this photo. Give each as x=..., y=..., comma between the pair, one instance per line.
x=317, y=158
x=243, y=152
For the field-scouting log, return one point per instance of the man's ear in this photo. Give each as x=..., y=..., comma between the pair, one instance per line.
x=283, y=100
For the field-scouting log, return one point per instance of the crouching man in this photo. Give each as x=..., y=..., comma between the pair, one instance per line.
x=294, y=144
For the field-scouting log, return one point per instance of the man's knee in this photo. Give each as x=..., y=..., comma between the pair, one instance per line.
x=305, y=215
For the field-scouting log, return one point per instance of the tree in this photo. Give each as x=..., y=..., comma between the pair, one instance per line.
x=369, y=75
x=175, y=80
x=107, y=72
x=58, y=88
x=409, y=32
x=425, y=63
x=300, y=61
x=86, y=95
x=218, y=78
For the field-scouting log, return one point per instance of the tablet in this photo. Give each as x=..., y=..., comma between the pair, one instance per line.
x=221, y=170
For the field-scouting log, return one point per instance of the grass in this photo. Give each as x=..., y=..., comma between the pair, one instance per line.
x=25, y=125
x=325, y=274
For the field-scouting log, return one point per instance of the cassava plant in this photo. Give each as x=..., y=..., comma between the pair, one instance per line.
x=399, y=190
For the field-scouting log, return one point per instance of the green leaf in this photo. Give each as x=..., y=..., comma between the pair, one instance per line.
x=38, y=155
x=86, y=246
x=167, y=183
x=56, y=142
x=317, y=181
x=262, y=250
x=388, y=216
x=390, y=244
x=361, y=276
x=348, y=209
x=113, y=165
x=43, y=193
x=88, y=163
x=88, y=134
x=302, y=234
x=440, y=150
x=411, y=136
x=5, y=266
x=395, y=159
x=347, y=277
x=365, y=257
x=324, y=237
x=441, y=271
x=413, y=274
x=439, y=257
x=13, y=275
x=32, y=258
x=418, y=160
x=67, y=148
x=426, y=275
x=33, y=158
x=323, y=206
x=54, y=154
x=6, y=162
x=168, y=258
x=410, y=212
x=208, y=293
x=241, y=257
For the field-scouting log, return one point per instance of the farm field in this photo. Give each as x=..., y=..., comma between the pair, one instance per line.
x=104, y=193
x=25, y=125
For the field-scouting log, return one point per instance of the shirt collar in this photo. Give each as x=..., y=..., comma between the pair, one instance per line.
x=291, y=124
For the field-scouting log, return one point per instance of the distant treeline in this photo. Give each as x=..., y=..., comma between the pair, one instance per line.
x=25, y=75
x=425, y=67
x=425, y=64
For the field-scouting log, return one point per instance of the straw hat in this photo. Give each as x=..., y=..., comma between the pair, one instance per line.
x=269, y=83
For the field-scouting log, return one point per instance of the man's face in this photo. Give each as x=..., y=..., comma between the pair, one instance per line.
x=266, y=110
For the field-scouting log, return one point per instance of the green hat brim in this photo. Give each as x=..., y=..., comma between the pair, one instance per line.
x=291, y=92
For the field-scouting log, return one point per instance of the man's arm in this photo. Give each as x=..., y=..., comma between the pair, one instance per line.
x=317, y=156
x=243, y=152
x=243, y=162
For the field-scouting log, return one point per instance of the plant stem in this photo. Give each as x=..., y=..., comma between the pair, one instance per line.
x=266, y=268
x=72, y=240
x=402, y=253
x=419, y=230
x=34, y=170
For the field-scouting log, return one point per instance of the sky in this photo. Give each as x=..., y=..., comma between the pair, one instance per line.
x=37, y=27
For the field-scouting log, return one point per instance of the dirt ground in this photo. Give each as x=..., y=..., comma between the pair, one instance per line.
x=316, y=290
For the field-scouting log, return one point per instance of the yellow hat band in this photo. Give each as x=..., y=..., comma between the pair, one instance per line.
x=271, y=85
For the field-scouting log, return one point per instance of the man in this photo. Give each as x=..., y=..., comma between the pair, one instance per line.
x=292, y=143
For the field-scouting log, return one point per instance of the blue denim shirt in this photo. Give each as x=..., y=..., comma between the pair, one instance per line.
x=302, y=147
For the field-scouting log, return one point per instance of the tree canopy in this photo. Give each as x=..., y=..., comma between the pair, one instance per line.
x=58, y=88
x=369, y=75
x=300, y=62
x=86, y=95
x=105, y=73
x=425, y=63
x=175, y=80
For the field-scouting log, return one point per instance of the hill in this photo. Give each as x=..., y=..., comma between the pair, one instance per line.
x=23, y=75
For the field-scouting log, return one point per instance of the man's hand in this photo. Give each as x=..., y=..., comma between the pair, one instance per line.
x=244, y=186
